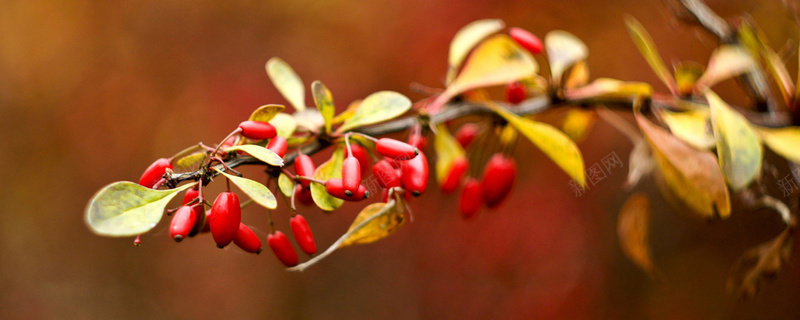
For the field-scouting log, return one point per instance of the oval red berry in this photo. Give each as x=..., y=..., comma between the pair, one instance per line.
x=466, y=134
x=247, y=239
x=279, y=145
x=362, y=155
x=302, y=234
x=527, y=40
x=470, y=200
x=351, y=176
x=386, y=175
x=498, y=178
x=304, y=166
x=154, y=172
x=257, y=130
x=225, y=218
x=395, y=149
x=282, y=248
x=457, y=171
x=415, y=174
x=182, y=223
x=335, y=188
x=515, y=92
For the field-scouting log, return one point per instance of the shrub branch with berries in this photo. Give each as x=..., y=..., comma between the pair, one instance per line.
x=703, y=150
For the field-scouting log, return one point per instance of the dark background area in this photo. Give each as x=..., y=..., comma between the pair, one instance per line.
x=92, y=92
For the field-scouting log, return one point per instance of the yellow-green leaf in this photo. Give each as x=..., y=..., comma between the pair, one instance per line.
x=686, y=75
x=563, y=50
x=784, y=141
x=611, y=89
x=448, y=150
x=125, y=208
x=577, y=75
x=330, y=169
x=254, y=189
x=650, y=53
x=577, y=123
x=286, y=185
x=260, y=153
x=347, y=113
x=324, y=101
x=738, y=148
x=377, y=107
x=690, y=126
x=265, y=113
x=287, y=82
x=554, y=143
x=633, y=229
x=190, y=162
x=508, y=136
x=466, y=39
x=725, y=62
x=284, y=124
x=496, y=61
x=383, y=221
x=694, y=176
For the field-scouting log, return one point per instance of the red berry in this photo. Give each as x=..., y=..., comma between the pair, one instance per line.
x=279, y=145
x=303, y=195
x=415, y=174
x=351, y=176
x=498, y=178
x=362, y=155
x=182, y=222
x=282, y=248
x=154, y=172
x=470, y=200
x=138, y=241
x=304, y=166
x=457, y=171
x=335, y=188
x=395, y=149
x=527, y=40
x=302, y=234
x=515, y=92
x=225, y=218
x=467, y=133
x=386, y=174
x=417, y=140
x=247, y=239
x=257, y=130
x=197, y=208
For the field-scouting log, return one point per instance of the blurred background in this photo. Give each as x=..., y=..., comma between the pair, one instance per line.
x=92, y=92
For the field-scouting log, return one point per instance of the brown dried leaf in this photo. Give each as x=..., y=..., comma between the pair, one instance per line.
x=632, y=230
x=759, y=264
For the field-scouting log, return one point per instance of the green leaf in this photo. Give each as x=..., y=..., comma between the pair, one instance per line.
x=287, y=82
x=784, y=141
x=260, y=153
x=284, y=124
x=330, y=169
x=738, y=149
x=383, y=221
x=694, y=176
x=466, y=38
x=377, y=107
x=496, y=61
x=265, y=113
x=563, y=50
x=286, y=185
x=650, y=53
x=324, y=101
x=253, y=189
x=125, y=208
x=725, y=62
x=448, y=150
x=554, y=143
x=690, y=126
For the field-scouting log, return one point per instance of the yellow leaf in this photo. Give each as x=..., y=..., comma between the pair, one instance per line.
x=447, y=150
x=650, y=53
x=377, y=107
x=577, y=76
x=508, y=136
x=694, y=176
x=330, y=169
x=384, y=220
x=324, y=101
x=686, y=75
x=496, y=61
x=287, y=82
x=563, y=50
x=265, y=113
x=190, y=162
x=466, y=38
x=633, y=229
x=286, y=185
x=784, y=141
x=554, y=143
x=725, y=62
x=260, y=153
x=738, y=148
x=690, y=126
x=253, y=189
x=577, y=123
x=611, y=89
x=284, y=124
x=346, y=114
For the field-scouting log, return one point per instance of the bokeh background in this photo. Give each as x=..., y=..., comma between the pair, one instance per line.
x=92, y=92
